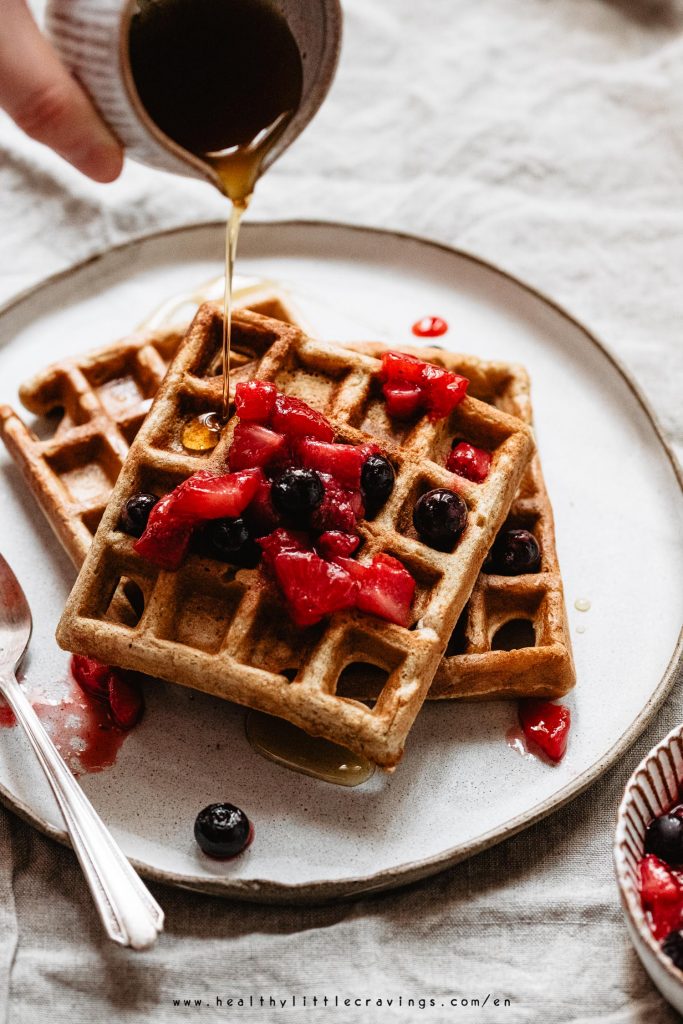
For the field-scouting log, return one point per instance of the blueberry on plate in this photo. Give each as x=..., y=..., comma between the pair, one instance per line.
x=136, y=513
x=514, y=553
x=664, y=838
x=297, y=492
x=229, y=540
x=222, y=830
x=377, y=482
x=439, y=517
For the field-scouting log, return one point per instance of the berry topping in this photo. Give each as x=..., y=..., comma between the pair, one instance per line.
x=673, y=948
x=200, y=497
x=125, y=699
x=166, y=538
x=282, y=540
x=223, y=830
x=404, y=376
x=255, y=400
x=295, y=419
x=547, y=725
x=340, y=509
x=440, y=517
x=260, y=513
x=430, y=327
x=342, y=461
x=92, y=676
x=115, y=687
x=254, y=445
x=514, y=553
x=297, y=492
x=136, y=513
x=387, y=590
x=403, y=401
x=664, y=837
x=377, y=481
x=313, y=587
x=661, y=894
x=335, y=544
x=469, y=462
x=206, y=496
x=229, y=540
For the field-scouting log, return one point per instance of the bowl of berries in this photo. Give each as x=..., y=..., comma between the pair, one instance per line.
x=648, y=859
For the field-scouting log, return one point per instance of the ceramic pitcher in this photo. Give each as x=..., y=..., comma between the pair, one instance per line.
x=92, y=38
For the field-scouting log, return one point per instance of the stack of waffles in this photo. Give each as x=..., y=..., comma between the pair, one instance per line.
x=118, y=419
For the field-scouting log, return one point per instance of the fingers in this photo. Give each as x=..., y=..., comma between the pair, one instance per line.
x=45, y=101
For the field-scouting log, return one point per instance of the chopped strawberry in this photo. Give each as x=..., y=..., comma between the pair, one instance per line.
x=355, y=569
x=547, y=725
x=205, y=496
x=282, y=540
x=126, y=701
x=260, y=513
x=444, y=390
x=295, y=419
x=313, y=588
x=340, y=508
x=366, y=450
x=404, y=376
x=255, y=445
x=342, y=461
x=403, y=401
x=398, y=366
x=469, y=462
x=335, y=544
x=166, y=538
x=661, y=893
x=255, y=400
x=387, y=589
x=92, y=676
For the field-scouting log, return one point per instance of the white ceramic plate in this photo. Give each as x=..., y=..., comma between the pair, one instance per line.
x=460, y=788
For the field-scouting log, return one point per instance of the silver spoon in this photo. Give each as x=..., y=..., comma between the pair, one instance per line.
x=130, y=914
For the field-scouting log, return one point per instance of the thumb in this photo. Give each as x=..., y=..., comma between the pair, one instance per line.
x=47, y=103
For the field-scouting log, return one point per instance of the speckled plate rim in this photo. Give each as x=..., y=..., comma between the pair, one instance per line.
x=264, y=891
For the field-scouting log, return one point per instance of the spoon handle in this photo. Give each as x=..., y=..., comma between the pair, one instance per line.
x=130, y=914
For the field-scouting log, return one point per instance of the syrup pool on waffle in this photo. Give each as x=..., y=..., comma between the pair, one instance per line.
x=223, y=80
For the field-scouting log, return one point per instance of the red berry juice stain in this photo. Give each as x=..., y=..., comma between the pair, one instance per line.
x=80, y=727
x=517, y=741
x=429, y=327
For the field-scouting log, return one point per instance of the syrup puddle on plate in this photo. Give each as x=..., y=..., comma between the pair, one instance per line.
x=80, y=728
x=290, y=747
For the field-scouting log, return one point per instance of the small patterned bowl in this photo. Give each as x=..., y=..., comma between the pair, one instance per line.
x=655, y=786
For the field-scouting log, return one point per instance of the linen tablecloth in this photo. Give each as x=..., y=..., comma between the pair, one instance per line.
x=547, y=137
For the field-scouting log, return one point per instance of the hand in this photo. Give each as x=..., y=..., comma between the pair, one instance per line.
x=45, y=101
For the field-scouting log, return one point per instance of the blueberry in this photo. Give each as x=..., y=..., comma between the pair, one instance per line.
x=136, y=513
x=377, y=480
x=440, y=517
x=664, y=838
x=673, y=947
x=297, y=492
x=514, y=553
x=229, y=540
x=222, y=830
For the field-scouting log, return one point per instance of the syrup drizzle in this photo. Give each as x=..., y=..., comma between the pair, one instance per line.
x=281, y=742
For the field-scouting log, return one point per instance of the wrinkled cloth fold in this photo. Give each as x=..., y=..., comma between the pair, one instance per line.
x=548, y=138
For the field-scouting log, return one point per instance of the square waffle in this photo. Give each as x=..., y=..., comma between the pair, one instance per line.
x=526, y=613
x=96, y=404
x=224, y=630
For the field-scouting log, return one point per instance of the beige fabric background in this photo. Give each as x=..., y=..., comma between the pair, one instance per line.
x=546, y=135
